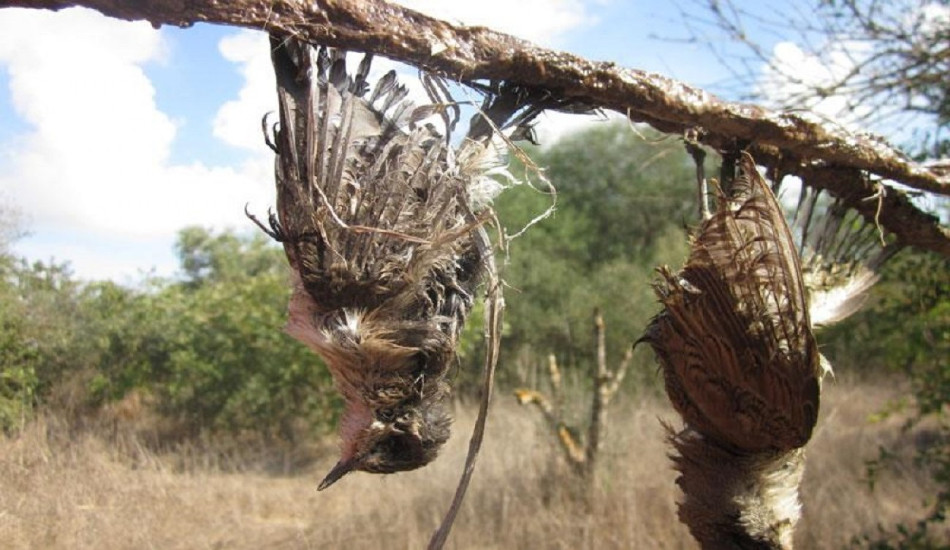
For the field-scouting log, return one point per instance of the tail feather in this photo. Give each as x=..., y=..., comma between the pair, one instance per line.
x=842, y=254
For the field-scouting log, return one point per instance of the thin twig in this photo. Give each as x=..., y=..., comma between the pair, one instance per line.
x=493, y=315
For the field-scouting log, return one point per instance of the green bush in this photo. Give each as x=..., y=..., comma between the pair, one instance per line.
x=209, y=345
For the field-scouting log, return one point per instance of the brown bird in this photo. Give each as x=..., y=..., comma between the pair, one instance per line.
x=742, y=368
x=381, y=220
x=734, y=339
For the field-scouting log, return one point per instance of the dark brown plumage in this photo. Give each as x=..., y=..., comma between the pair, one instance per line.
x=379, y=215
x=739, y=358
x=742, y=367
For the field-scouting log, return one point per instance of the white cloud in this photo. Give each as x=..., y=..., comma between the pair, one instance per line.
x=238, y=121
x=934, y=17
x=96, y=160
x=793, y=73
x=95, y=122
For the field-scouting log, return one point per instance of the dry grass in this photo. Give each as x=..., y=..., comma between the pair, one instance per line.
x=81, y=492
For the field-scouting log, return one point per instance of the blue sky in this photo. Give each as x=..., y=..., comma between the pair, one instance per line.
x=114, y=135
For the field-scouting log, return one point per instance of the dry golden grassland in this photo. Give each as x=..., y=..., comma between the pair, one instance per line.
x=75, y=492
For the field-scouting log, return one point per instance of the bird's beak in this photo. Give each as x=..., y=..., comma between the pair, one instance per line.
x=343, y=467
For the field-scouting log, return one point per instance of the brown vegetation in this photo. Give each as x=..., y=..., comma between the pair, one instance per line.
x=91, y=490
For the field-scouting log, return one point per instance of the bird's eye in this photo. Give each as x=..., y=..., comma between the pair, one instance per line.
x=403, y=449
x=386, y=415
x=397, y=446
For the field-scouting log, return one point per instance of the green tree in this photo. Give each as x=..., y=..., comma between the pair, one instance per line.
x=624, y=190
x=207, y=345
x=906, y=328
x=208, y=258
x=18, y=355
x=622, y=202
x=38, y=306
x=229, y=364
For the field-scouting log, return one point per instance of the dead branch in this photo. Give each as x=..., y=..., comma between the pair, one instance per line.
x=477, y=53
x=582, y=457
x=573, y=449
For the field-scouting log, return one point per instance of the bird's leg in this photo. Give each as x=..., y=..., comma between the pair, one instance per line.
x=270, y=131
x=730, y=160
x=275, y=231
x=699, y=156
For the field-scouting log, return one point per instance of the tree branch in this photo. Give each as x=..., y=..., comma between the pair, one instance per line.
x=467, y=54
x=574, y=451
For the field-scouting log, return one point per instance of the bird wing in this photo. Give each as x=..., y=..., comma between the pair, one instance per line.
x=842, y=255
x=375, y=207
x=734, y=339
x=363, y=195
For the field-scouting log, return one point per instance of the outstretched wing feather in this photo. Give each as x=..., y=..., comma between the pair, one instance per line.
x=734, y=338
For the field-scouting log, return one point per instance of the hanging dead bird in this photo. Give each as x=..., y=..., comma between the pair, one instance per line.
x=381, y=220
x=739, y=306
x=742, y=368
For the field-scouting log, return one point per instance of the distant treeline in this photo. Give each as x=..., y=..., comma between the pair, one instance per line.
x=207, y=347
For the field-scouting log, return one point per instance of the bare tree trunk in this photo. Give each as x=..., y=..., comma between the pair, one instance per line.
x=473, y=53
x=600, y=396
x=582, y=458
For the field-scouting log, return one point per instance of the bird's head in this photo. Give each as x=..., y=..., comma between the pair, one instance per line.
x=390, y=372
x=388, y=440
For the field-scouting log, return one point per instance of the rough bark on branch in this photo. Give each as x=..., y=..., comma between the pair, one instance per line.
x=477, y=53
